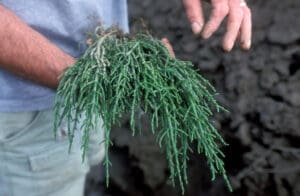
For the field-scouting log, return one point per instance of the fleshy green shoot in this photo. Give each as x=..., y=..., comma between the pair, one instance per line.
x=119, y=74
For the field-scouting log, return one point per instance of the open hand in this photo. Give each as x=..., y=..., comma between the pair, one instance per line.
x=239, y=23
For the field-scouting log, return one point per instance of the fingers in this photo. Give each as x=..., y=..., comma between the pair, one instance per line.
x=239, y=22
x=220, y=9
x=166, y=42
x=246, y=29
x=195, y=14
x=235, y=18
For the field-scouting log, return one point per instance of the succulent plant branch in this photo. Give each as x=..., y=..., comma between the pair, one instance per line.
x=119, y=74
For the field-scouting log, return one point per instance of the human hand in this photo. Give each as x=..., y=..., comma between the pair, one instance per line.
x=167, y=44
x=239, y=23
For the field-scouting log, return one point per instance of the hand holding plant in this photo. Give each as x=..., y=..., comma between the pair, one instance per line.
x=120, y=74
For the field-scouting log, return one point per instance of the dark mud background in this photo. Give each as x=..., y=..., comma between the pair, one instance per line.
x=261, y=88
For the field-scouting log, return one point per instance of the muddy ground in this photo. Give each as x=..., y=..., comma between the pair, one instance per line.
x=261, y=88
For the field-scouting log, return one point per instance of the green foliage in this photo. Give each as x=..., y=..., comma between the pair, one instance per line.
x=119, y=74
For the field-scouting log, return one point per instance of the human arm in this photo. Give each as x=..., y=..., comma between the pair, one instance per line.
x=239, y=24
x=26, y=53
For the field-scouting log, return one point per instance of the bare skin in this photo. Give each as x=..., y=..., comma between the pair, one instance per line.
x=239, y=23
x=26, y=53
x=166, y=42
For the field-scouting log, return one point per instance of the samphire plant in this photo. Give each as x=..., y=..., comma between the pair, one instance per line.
x=120, y=74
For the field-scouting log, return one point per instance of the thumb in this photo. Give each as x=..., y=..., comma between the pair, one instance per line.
x=166, y=42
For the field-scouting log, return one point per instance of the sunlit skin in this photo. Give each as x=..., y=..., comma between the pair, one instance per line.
x=166, y=42
x=239, y=21
x=26, y=53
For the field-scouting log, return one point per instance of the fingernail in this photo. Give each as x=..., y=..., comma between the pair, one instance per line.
x=164, y=39
x=228, y=47
x=206, y=34
x=196, y=27
x=246, y=44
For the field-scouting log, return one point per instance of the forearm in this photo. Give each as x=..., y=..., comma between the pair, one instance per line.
x=26, y=53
